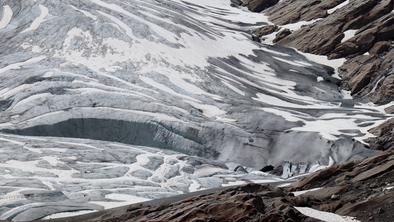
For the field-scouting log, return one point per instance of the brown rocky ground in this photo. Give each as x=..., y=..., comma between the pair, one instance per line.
x=360, y=189
x=384, y=136
x=247, y=203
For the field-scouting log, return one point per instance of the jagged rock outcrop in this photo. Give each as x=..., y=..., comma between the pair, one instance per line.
x=281, y=35
x=384, y=136
x=362, y=189
x=258, y=5
x=265, y=30
x=373, y=37
x=324, y=36
x=370, y=76
x=292, y=11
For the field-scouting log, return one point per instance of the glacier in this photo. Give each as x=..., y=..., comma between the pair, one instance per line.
x=153, y=98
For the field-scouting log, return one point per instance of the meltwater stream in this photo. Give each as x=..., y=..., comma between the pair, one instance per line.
x=104, y=101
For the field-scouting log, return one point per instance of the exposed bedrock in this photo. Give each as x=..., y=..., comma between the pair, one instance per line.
x=265, y=30
x=370, y=76
x=384, y=136
x=362, y=189
x=371, y=20
x=258, y=5
x=292, y=11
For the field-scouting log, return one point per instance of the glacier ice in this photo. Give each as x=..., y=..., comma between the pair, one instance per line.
x=141, y=96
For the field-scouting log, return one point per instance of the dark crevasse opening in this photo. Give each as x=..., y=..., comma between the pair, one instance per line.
x=150, y=134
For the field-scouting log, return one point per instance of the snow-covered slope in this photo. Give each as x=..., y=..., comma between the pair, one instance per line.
x=166, y=74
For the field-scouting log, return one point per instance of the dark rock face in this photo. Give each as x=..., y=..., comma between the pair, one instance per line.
x=380, y=47
x=358, y=72
x=325, y=35
x=282, y=34
x=384, y=136
x=259, y=5
x=362, y=189
x=370, y=76
x=265, y=30
x=294, y=10
x=390, y=109
x=381, y=30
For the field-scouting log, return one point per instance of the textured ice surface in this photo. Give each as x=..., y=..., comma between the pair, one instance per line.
x=175, y=76
x=46, y=176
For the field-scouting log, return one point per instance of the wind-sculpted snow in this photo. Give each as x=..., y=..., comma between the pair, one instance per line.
x=179, y=76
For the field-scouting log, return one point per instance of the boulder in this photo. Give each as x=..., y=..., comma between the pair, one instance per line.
x=282, y=34
x=389, y=109
x=380, y=47
x=384, y=136
x=260, y=5
x=265, y=30
x=370, y=76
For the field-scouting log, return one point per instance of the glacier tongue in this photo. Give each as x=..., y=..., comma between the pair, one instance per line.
x=175, y=76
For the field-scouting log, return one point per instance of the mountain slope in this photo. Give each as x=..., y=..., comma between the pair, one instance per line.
x=360, y=31
x=101, y=96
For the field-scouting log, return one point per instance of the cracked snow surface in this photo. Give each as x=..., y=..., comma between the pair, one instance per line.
x=103, y=101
